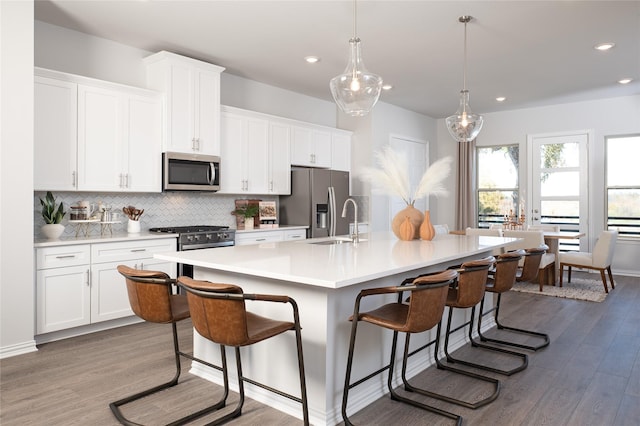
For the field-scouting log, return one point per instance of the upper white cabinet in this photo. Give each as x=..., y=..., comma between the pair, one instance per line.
x=55, y=134
x=192, y=90
x=254, y=154
x=91, y=135
x=311, y=146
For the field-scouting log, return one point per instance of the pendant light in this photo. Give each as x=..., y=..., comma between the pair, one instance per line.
x=356, y=90
x=464, y=125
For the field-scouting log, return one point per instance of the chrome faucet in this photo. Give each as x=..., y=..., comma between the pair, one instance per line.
x=354, y=235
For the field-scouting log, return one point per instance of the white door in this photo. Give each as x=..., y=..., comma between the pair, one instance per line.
x=417, y=154
x=558, y=182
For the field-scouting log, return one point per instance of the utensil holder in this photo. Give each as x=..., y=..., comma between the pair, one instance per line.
x=133, y=226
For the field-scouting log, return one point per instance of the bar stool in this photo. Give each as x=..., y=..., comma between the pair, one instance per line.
x=219, y=314
x=422, y=312
x=151, y=299
x=466, y=293
x=504, y=277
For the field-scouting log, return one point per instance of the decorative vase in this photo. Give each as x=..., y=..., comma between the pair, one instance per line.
x=248, y=223
x=133, y=226
x=407, y=230
x=427, y=231
x=415, y=217
x=52, y=230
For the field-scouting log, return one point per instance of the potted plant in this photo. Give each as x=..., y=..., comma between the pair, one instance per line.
x=52, y=214
x=248, y=212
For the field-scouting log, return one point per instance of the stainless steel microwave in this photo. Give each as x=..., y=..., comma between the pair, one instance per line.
x=190, y=172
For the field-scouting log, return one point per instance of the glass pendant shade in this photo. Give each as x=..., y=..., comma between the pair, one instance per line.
x=356, y=90
x=464, y=125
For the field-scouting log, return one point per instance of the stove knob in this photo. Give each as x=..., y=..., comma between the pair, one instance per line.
x=189, y=238
x=224, y=236
x=208, y=237
x=196, y=237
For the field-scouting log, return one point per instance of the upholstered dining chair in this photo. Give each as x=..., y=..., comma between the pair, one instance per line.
x=150, y=296
x=546, y=272
x=420, y=313
x=600, y=259
x=441, y=229
x=219, y=314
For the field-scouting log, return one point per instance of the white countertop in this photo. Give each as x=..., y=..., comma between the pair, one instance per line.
x=92, y=239
x=339, y=265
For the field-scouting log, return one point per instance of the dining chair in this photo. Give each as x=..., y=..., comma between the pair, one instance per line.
x=600, y=259
x=219, y=314
x=546, y=272
x=151, y=298
x=441, y=229
x=422, y=311
x=500, y=281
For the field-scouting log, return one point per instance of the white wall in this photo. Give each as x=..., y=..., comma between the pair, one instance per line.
x=605, y=117
x=16, y=178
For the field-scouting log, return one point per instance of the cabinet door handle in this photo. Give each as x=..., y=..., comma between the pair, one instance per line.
x=66, y=256
x=137, y=250
x=88, y=278
x=73, y=179
x=261, y=239
x=141, y=265
x=126, y=180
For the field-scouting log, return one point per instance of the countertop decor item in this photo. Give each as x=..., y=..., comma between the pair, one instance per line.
x=464, y=125
x=133, y=213
x=427, y=231
x=248, y=212
x=356, y=90
x=391, y=176
x=52, y=214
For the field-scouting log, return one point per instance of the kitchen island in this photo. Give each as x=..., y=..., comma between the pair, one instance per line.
x=324, y=279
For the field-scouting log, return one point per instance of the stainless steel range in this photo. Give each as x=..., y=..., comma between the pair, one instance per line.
x=199, y=237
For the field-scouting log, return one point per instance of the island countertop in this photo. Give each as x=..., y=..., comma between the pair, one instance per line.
x=378, y=254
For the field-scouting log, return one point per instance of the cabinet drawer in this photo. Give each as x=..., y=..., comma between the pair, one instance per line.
x=295, y=234
x=115, y=252
x=258, y=237
x=57, y=257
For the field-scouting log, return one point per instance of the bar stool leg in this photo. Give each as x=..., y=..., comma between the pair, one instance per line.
x=496, y=309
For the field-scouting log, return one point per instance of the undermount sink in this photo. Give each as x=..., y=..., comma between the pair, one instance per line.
x=336, y=240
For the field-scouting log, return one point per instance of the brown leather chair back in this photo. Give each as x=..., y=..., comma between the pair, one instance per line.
x=427, y=306
x=149, y=294
x=472, y=281
x=532, y=259
x=504, y=276
x=220, y=319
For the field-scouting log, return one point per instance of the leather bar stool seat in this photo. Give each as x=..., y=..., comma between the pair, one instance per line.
x=219, y=314
x=151, y=298
x=422, y=312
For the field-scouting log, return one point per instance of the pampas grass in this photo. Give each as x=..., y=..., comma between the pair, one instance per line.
x=392, y=176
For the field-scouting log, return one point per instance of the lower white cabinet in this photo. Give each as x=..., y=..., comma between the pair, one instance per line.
x=79, y=285
x=272, y=235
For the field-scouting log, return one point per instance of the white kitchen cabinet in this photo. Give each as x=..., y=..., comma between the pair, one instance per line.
x=192, y=90
x=254, y=153
x=270, y=236
x=92, y=135
x=55, y=134
x=245, y=153
x=310, y=146
x=79, y=284
x=63, y=292
x=341, y=150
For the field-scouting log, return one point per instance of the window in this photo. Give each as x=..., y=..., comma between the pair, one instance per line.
x=623, y=184
x=497, y=183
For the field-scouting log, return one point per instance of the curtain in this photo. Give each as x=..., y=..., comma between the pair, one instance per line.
x=465, y=186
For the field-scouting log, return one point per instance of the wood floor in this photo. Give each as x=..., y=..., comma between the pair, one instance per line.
x=589, y=375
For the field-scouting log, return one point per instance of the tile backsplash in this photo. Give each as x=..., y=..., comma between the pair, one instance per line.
x=160, y=210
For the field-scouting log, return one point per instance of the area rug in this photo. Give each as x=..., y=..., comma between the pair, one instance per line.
x=578, y=288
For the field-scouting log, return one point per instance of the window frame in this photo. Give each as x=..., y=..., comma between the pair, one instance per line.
x=479, y=190
x=635, y=235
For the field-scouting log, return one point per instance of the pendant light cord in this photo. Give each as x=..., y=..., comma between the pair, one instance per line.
x=355, y=19
x=464, y=72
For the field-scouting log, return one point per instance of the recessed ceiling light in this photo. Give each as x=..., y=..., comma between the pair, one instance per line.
x=501, y=99
x=625, y=81
x=387, y=87
x=312, y=59
x=604, y=46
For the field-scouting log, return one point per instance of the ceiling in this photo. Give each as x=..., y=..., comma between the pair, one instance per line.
x=534, y=53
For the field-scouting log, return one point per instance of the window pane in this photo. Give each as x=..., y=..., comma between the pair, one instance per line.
x=559, y=155
x=494, y=205
x=559, y=184
x=624, y=210
x=622, y=160
x=498, y=167
x=561, y=212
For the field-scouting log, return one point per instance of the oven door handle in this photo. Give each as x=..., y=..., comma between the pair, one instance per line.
x=206, y=246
